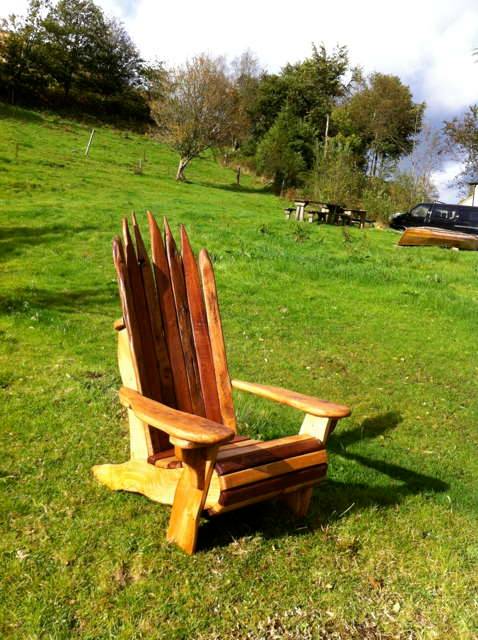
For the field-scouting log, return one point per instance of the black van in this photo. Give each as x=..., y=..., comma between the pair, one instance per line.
x=438, y=214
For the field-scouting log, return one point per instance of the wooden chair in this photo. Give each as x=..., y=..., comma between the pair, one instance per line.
x=185, y=450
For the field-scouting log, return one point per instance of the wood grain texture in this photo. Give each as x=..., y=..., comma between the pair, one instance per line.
x=157, y=484
x=272, y=485
x=168, y=312
x=253, y=456
x=184, y=322
x=320, y=428
x=241, y=447
x=141, y=445
x=200, y=331
x=309, y=404
x=431, y=236
x=272, y=469
x=171, y=352
x=149, y=367
x=218, y=348
x=139, y=328
x=138, y=476
x=298, y=501
x=130, y=360
x=193, y=429
x=155, y=319
x=190, y=497
x=128, y=309
x=169, y=460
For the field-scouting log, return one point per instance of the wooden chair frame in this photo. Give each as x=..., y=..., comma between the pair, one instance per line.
x=178, y=455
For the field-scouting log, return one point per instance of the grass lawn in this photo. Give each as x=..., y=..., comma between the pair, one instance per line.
x=390, y=546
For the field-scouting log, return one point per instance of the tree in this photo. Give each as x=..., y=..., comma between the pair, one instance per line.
x=384, y=116
x=21, y=69
x=71, y=45
x=279, y=154
x=116, y=66
x=315, y=85
x=197, y=110
x=266, y=104
x=309, y=89
x=336, y=177
x=244, y=73
x=462, y=137
x=72, y=33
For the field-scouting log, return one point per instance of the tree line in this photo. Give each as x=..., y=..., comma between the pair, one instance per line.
x=69, y=54
x=319, y=125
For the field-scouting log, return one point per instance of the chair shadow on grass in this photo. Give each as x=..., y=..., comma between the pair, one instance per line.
x=93, y=301
x=14, y=240
x=333, y=499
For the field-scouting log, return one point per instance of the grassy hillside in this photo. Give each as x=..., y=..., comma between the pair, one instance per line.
x=390, y=547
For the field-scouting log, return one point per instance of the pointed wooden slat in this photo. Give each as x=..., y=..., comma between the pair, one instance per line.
x=149, y=370
x=128, y=309
x=154, y=313
x=130, y=359
x=199, y=326
x=168, y=312
x=184, y=324
x=223, y=381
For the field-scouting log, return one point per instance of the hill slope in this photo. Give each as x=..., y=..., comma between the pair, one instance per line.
x=390, y=544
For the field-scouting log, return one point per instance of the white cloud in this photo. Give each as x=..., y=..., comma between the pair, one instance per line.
x=443, y=180
x=428, y=44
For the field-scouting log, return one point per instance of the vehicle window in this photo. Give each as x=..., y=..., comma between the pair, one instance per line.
x=420, y=211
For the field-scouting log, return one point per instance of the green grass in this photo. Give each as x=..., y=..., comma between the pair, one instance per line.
x=390, y=547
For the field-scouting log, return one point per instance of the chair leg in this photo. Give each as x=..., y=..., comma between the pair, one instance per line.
x=190, y=496
x=299, y=501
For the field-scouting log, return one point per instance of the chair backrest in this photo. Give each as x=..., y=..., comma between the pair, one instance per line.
x=171, y=314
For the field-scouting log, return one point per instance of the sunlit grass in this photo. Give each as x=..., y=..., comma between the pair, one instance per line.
x=390, y=547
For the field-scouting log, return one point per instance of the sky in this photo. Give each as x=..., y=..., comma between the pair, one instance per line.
x=428, y=44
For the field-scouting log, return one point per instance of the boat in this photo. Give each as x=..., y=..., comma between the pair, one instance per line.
x=432, y=236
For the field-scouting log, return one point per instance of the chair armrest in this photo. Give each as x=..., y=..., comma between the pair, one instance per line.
x=308, y=404
x=185, y=429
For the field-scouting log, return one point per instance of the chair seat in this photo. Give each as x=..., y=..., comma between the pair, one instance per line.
x=248, y=470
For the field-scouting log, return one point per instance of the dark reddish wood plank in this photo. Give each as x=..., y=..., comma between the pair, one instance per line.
x=149, y=369
x=221, y=370
x=128, y=310
x=237, y=460
x=200, y=330
x=272, y=485
x=168, y=312
x=154, y=313
x=184, y=322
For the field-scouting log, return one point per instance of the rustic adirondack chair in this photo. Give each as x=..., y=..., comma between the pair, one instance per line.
x=184, y=447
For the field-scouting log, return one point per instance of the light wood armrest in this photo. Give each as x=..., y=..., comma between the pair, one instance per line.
x=185, y=429
x=308, y=404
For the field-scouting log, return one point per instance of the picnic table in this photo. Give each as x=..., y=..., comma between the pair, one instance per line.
x=355, y=215
x=329, y=212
